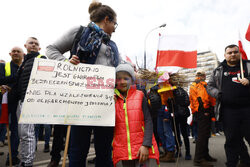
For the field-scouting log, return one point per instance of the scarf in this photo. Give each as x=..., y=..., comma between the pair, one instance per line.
x=90, y=44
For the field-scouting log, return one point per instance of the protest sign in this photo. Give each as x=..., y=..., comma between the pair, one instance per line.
x=63, y=93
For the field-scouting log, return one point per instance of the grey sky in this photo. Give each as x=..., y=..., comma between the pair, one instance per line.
x=216, y=23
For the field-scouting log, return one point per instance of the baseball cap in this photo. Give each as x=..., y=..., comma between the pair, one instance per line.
x=200, y=71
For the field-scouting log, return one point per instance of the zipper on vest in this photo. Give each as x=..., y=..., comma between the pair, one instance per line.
x=124, y=104
x=127, y=130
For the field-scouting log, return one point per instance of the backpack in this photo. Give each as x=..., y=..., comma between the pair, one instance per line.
x=181, y=102
x=77, y=40
x=155, y=100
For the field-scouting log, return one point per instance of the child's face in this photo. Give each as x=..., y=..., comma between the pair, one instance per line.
x=123, y=81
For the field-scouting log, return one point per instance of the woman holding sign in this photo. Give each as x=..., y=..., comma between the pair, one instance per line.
x=91, y=45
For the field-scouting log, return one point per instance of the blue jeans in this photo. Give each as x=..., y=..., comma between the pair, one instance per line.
x=166, y=134
x=80, y=142
x=47, y=132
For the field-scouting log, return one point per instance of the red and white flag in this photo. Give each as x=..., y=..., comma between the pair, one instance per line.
x=176, y=51
x=243, y=53
x=4, y=119
x=248, y=33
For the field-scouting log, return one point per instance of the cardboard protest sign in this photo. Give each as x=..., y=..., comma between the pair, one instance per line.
x=63, y=93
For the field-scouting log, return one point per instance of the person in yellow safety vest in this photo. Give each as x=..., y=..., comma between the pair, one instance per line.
x=27, y=131
x=8, y=73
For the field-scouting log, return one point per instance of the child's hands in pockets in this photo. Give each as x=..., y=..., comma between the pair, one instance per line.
x=143, y=154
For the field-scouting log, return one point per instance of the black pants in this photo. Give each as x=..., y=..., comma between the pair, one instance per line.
x=157, y=138
x=14, y=138
x=58, y=142
x=181, y=124
x=204, y=127
x=80, y=143
x=236, y=123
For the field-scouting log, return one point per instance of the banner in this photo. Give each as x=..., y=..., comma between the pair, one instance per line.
x=63, y=93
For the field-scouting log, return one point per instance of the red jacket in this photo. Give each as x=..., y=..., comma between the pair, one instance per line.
x=129, y=128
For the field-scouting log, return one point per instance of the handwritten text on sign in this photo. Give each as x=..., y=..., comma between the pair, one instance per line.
x=63, y=93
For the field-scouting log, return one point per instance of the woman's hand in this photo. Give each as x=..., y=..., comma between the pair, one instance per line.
x=74, y=60
x=143, y=154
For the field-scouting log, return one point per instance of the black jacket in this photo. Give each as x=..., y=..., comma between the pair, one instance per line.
x=180, y=103
x=24, y=73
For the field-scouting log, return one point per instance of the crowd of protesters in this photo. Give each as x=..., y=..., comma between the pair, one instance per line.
x=149, y=123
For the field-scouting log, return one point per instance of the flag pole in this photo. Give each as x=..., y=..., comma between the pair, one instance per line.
x=66, y=146
x=241, y=64
x=241, y=67
x=8, y=136
x=163, y=25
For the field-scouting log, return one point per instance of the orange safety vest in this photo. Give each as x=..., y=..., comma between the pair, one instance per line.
x=129, y=128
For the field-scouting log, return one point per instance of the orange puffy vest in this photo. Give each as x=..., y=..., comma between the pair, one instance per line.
x=129, y=128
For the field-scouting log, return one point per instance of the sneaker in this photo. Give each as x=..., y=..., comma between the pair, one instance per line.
x=190, y=137
x=188, y=157
x=203, y=163
x=46, y=148
x=217, y=134
x=15, y=161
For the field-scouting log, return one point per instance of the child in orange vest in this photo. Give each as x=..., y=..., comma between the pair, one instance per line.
x=133, y=143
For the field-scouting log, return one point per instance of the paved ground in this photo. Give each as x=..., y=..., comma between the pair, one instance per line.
x=216, y=150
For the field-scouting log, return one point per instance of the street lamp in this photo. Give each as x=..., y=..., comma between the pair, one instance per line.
x=163, y=25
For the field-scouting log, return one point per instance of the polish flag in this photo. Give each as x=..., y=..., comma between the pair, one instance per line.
x=243, y=53
x=4, y=119
x=176, y=51
x=248, y=33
